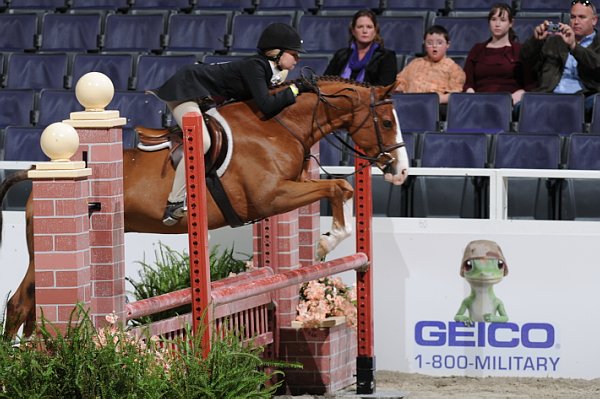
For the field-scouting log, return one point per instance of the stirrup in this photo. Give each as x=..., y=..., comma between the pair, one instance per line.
x=173, y=212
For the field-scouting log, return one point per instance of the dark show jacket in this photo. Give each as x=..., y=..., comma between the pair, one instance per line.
x=245, y=79
x=380, y=71
x=548, y=58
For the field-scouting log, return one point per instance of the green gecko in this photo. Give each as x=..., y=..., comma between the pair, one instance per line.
x=483, y=265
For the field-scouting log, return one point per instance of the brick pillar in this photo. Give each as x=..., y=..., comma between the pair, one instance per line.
x=104, y=148
x=61, y=246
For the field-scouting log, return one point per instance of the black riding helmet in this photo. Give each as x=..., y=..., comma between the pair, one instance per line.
x=280, y=36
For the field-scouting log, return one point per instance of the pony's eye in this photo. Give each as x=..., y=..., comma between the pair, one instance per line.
x=387, y=124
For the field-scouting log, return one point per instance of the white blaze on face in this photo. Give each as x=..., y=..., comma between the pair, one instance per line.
x=401, y=155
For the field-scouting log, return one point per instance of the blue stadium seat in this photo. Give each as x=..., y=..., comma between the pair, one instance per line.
x=23, y=144
x=472, y=5
x=118, y=67
x=324, y=34
x=36, y=71
x=544, y=5
x=403, y=34
x=451, y=196
x=197, y=32
x=529, y=198
x=55, y=106
x=317, y=64
x=180, y=5
x=139, y=108
x=580, y=196
x=433, y=5
x=551, y=113
x=16, y=107
x=349, y=4
x=109, y=5
x=300, y=5
x=153, y=70
x=595, y=124
x=233, y=5
x=138, y=32
x=37, y=4
x=524, y=26
x=464, y=32
x=18, y=32
x=70, y=32
x=417, y=112
x=129, y=138
x=246, y=30
x=479, y=112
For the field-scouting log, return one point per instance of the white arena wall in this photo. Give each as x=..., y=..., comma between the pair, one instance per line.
x=550, y=293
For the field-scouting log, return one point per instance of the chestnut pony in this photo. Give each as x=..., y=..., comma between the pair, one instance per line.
x=265, y=174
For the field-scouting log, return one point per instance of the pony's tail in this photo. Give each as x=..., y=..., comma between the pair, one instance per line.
x=10, y=181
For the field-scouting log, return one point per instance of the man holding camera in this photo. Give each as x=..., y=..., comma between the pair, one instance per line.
x=565, y=57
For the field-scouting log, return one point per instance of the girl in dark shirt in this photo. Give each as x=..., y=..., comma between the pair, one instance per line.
x=495, y=65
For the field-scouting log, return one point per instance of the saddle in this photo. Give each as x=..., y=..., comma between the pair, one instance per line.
x=213, y=159
x=173, y=138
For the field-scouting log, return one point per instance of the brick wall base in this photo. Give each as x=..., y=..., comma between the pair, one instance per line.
x=327, y=354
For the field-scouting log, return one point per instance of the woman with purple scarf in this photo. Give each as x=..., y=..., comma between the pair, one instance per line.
x=366, y=60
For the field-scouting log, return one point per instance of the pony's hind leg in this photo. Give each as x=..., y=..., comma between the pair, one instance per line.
x=21, y=308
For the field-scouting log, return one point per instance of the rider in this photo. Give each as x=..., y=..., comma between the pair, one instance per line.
x=250, y=78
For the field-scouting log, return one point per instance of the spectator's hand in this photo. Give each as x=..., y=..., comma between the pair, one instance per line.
x=568, y=36
x=541, y=31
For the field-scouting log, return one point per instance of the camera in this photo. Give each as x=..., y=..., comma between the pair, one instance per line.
x=553, y=27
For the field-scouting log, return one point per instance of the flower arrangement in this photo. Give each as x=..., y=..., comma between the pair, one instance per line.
x=326, y=297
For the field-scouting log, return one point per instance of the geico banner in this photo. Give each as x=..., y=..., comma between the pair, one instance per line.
x=486, y=298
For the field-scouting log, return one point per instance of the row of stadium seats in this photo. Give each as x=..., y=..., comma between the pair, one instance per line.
x=489, y=113
x=304, y=5
x=493, y=113
x=466, y=197
x=229, y=33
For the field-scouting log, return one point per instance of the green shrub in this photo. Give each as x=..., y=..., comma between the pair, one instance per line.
x=89, y=364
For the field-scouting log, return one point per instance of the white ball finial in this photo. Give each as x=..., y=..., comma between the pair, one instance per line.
x=59, y=141
x=94, y=91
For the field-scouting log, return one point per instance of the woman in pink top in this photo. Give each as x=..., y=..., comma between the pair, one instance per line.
x=495, y=65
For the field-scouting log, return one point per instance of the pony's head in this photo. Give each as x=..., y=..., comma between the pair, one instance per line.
x=368, y=114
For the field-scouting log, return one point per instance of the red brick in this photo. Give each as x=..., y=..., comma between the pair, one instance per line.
x=74, y=242
x=72, y=278
x=44, y=279
x=43, y=243
x=60, y=260
x=43, y=207
x=104, y=272
x=58, y=296
x=59, y=225
x=49, y=312
x=60, y=188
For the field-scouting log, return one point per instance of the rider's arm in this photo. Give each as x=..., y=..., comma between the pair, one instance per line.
x=255, y=76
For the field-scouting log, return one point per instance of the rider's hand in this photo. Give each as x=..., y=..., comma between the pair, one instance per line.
x=304, y=87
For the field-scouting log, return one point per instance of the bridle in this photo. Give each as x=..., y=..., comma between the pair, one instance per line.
x=384, y=159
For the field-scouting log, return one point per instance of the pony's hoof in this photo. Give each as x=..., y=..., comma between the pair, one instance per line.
x=323, y=247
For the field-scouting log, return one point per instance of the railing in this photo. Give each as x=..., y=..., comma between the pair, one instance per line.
x=242, y=303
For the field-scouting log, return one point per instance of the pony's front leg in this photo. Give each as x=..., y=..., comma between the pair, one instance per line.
x=293, y=195
x=340, y=229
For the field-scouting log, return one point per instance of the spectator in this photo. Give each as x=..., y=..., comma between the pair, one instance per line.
x=495, y=65
x=567, y=60
x=366, y=60
x=435, y=72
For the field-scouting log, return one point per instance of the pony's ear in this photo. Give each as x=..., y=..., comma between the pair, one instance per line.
x=388, y=90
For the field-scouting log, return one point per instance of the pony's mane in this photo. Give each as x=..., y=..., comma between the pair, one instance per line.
x=332, y=79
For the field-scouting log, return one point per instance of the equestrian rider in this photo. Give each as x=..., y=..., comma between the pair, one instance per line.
x=211, y=84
